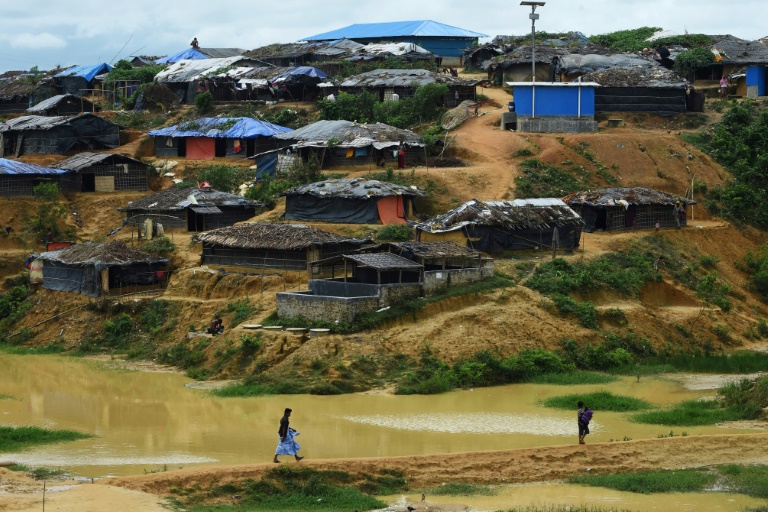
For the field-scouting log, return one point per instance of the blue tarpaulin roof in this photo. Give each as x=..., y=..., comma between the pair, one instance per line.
x=420, y=28
x=14, y=167
x=188, y=54
x=87, y=72
x=303, y=70
x=223, y=128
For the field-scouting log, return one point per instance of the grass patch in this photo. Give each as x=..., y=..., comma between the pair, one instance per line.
x=290, y=488
x=689, y=414
x=598, y=401
x=743, y=361
x=686, y=480
x=16, y=438
x=542, y=180
x=731, y=478
x=462, y=489
x=573, y=378
x=6, y=397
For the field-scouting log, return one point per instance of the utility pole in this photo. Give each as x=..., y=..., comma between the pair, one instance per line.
x=533, y=16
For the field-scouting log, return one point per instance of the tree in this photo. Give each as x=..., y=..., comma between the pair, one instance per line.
x=48, y=214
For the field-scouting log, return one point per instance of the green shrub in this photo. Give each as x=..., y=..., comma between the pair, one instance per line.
x=396, y=232
x=242, y=309
x=250, y=343
x=226, y=178
x=584, y=311
x=748, y=397
x=161, y=245
x=204, y=102
x=182, y=355
x=119, y=332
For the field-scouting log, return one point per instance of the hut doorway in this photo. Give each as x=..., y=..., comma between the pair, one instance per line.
x=601, y=219
x=630, y=216
x=88, y=182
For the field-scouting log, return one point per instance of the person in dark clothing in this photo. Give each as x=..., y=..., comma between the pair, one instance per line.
x=216, y=326
x=195, y=44
x=583, y=429
x=287, y=444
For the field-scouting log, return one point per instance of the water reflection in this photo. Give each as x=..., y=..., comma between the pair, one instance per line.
x=476, y=423
x=144, y=421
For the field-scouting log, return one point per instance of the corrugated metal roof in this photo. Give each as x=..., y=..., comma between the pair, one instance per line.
x=53, y=101
x=43, y=122
x=188, y=70
x=83, y=160
x=628, y=195
x=222, y=128
x=180, y=198
x=14, y=167
x=739, y=51
x=33, y=123
x=359, y=188
x=350, y=134
x=403, y=78
x=88, y=72
x=383, y=261
x=518, y=213
x=419, y=28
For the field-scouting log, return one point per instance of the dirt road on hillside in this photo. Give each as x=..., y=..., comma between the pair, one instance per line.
x=144, y=492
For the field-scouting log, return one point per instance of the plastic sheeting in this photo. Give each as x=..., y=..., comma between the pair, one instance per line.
x=266, y=165
x=88, y=72
x=188, y=54
x=421, y=28
x=222, y=127
x=494, y=240
x=334, y=209
x=391, y=210
x=201, y=148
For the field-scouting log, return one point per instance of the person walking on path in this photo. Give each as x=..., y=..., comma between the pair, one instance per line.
x=724, y=86
x=584, y=416
x=287, y=444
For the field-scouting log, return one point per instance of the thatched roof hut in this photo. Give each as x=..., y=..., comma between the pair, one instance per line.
x=272, y=245
x=93, y=268
x=498, y=226
x=616, y=209
x=196, y=209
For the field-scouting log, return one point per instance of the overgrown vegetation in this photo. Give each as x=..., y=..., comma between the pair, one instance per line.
x=18, y=438
x=49, y=214
x=395, y=232
x=14, y=304
x=123, y=76
x=226, y=178
x=161, y=245
x=634, y=40
x=364, y=107
x=204, y=102
x=739, y=144
x=544, y=180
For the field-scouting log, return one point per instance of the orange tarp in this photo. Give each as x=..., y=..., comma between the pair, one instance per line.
x=391, y=210
x=201, y=148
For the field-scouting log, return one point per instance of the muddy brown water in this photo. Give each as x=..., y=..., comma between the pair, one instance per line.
x=154, y=421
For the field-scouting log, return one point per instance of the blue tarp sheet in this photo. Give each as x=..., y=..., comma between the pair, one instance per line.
x=302, y=70
x=421, y=28
x=222, y=128
x=14, y=167
x=87, y=72
x=188, y=54
x=266, y=165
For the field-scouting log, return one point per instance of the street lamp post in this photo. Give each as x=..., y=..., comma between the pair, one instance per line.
x=533, y=16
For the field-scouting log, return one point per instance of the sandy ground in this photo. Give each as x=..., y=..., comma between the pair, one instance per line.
x=546, y=464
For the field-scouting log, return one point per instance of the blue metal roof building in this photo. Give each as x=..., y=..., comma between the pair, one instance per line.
x=554, y=106
x=443, y=40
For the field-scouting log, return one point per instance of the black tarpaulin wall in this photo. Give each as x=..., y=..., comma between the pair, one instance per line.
x=493, y=240
x=332, y=209
x=84, y=132
x=73, y=84
x=656, y=100
x=71, y=278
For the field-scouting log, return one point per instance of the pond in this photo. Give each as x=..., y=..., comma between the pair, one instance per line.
x=152, y=421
